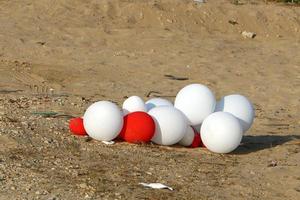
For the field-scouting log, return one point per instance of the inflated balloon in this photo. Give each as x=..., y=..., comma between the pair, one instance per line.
x=197, y=142
x=191, y=138
x=76, y=126
x=188, y=138
x=191, y=122
x=133, y=104
x=197, y=129
x=221, y=132
x=196, y=101
x=138, y=127
x=170, y=125
x=103, y=121
x=155, y=102
x=240, y=107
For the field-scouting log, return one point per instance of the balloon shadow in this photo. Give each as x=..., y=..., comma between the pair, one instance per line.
x=252, y=144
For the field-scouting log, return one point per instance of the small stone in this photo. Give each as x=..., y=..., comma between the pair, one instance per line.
x=170, y=21
x=44, y=192
x=83, y=185
x=51, y=90
x=273, y=163
x=2, y=178
x=53, y=197
x=246, y=34
x=232, y=21
x=199, y=1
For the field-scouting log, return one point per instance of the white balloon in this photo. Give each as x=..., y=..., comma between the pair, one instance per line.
x=196, y=101
x=133, y=104
x=188, y=138
x=221, y=132
x=240, y=107
x=170, y=125
x=103, y=120
x=155, y=102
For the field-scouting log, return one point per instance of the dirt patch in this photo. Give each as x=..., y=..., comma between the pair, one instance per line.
x=7, y=144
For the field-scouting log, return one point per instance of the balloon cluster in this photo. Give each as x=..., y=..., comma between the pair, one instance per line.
x=195, y=119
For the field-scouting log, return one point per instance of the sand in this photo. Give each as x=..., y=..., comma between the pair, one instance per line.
x=61, y=56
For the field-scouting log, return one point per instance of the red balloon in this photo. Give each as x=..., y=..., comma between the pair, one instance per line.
x=197, y=142
x=76, y=126
x=138, y=127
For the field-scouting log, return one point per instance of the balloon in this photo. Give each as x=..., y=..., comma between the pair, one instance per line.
x=103, y=121
x=170, y=125
x=240, y=107
x=76, y=126
x=138, y=127
x=191, y=138
x=221, y=132
x=133, y=104
x=188, y=138
x=197, y=142
x=155, y=102
x=196, y=101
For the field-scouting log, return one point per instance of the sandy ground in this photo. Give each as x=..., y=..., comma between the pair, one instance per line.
x=62, y=55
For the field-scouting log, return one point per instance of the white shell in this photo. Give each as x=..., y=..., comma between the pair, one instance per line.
x=156, y=186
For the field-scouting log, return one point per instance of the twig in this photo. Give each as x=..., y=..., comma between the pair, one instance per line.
x=4, y=91
x=176, y=78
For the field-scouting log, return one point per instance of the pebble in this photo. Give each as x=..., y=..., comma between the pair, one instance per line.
x=273, y=163
x=199, y=1
x=54, y=197
x=247, y=34
x=2, y=178
x=45, y=192
x=83, y=185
